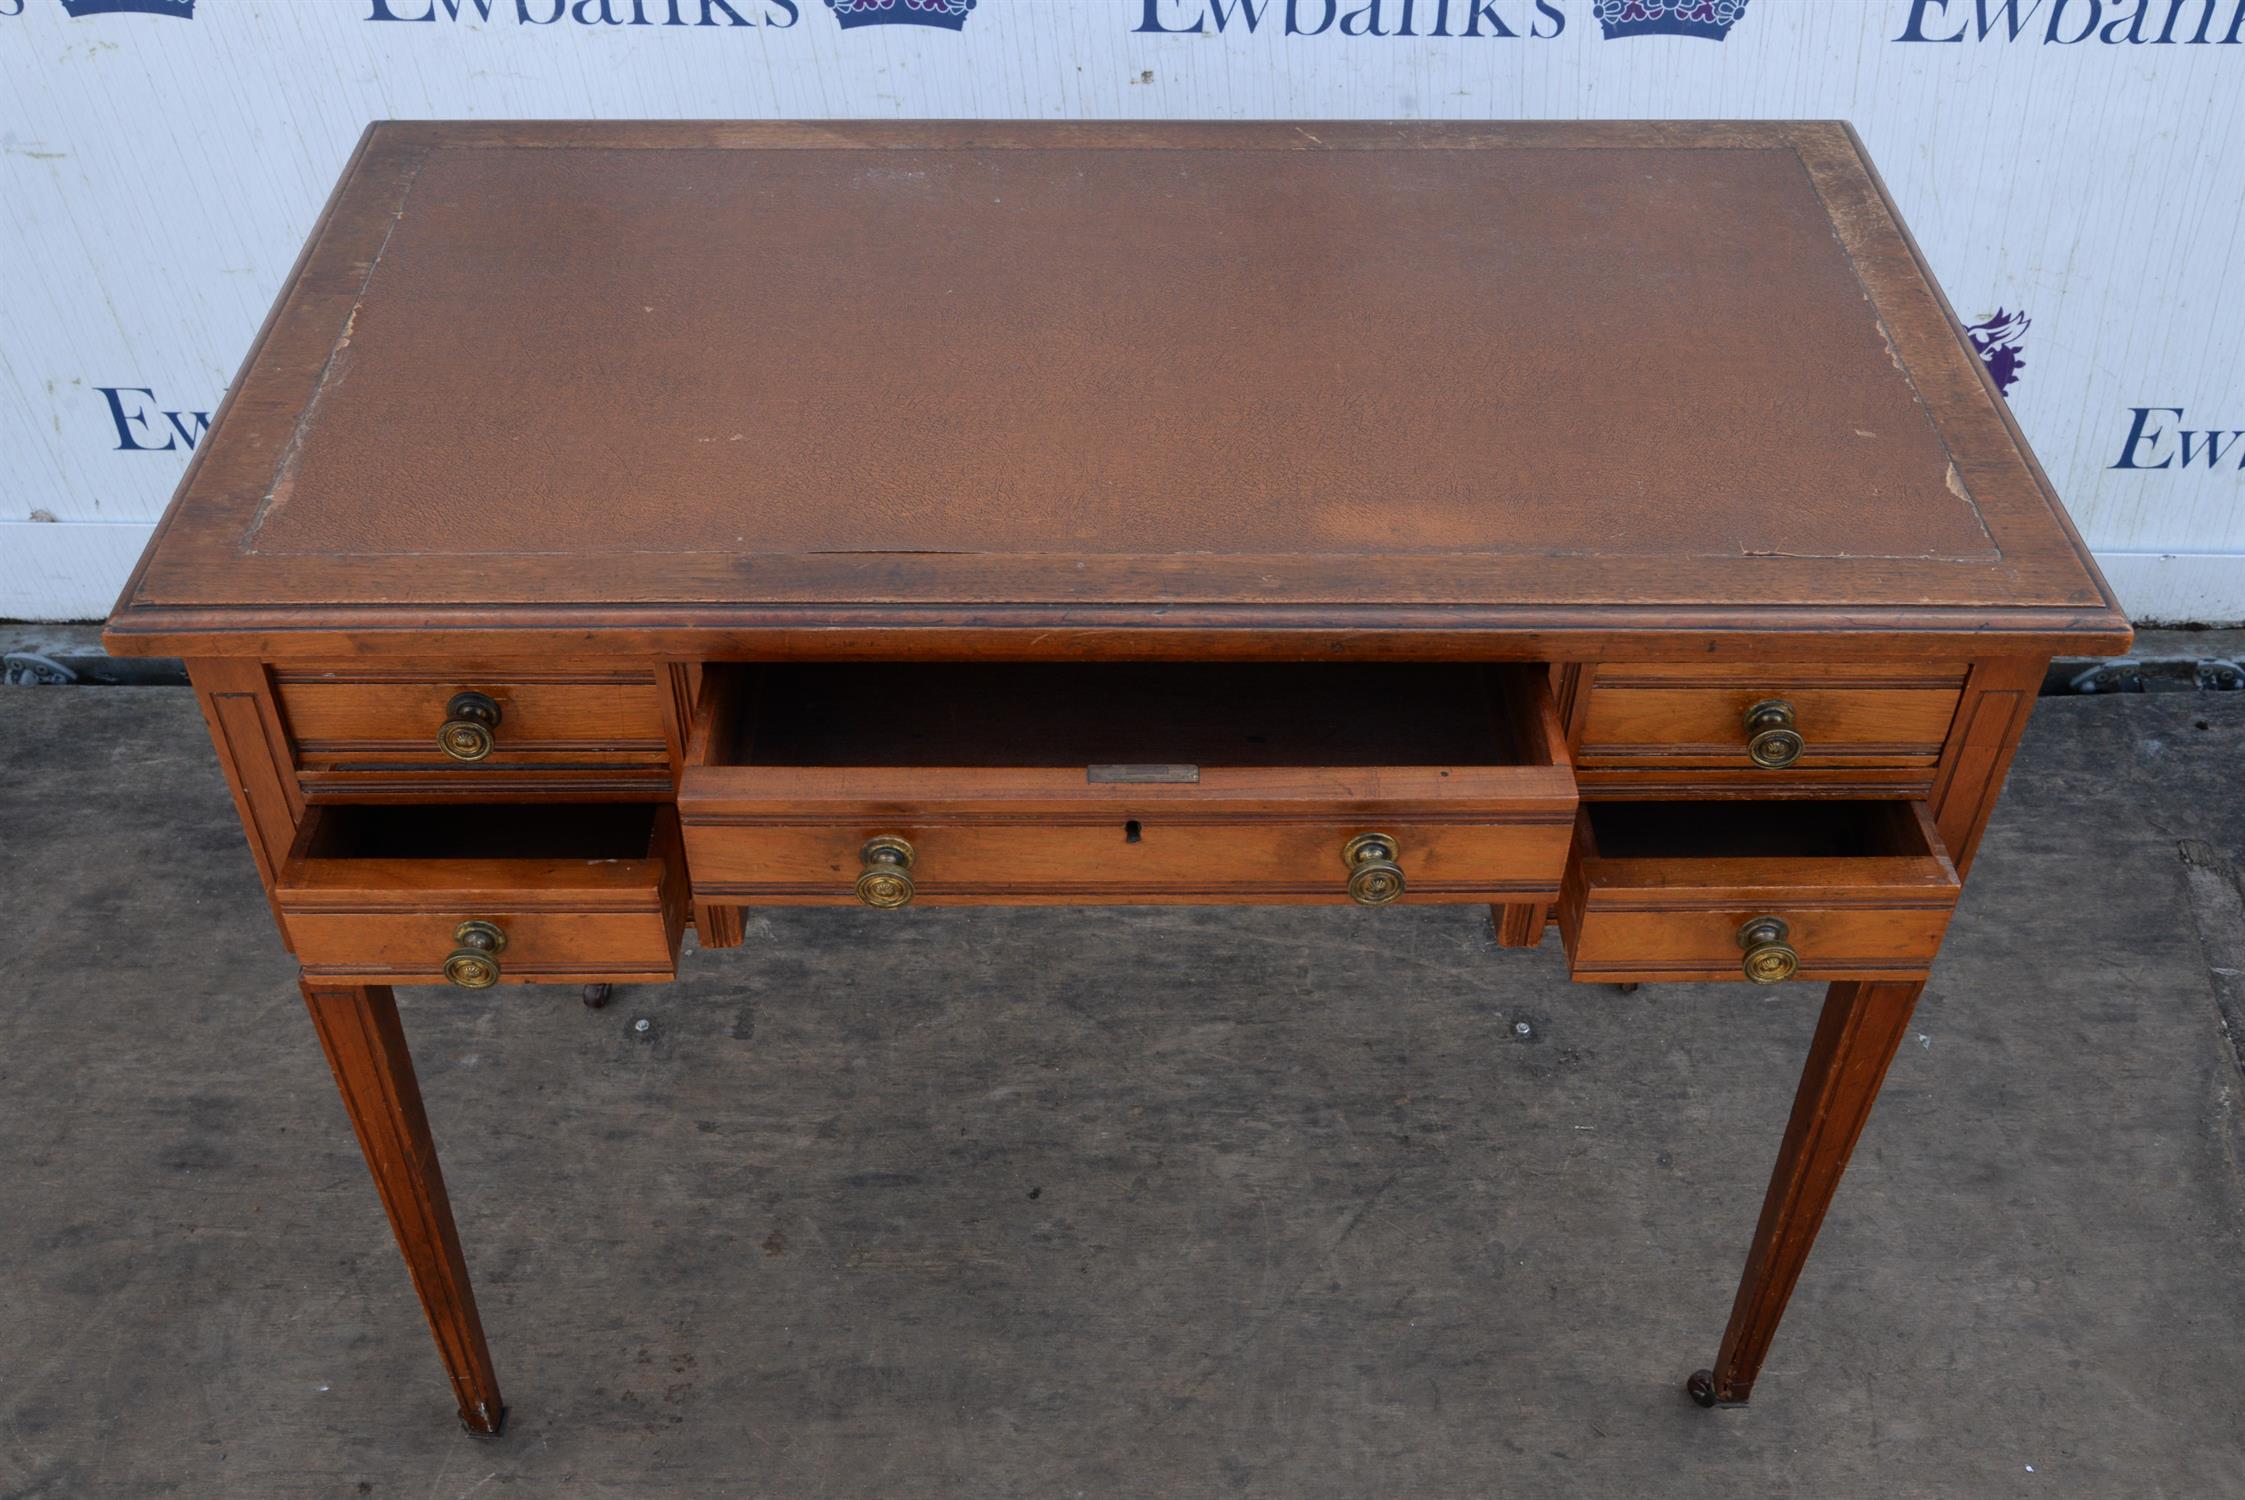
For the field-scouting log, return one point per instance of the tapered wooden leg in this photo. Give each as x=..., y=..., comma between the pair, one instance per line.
x=1519, y=925
x=1856, y=1038
x=718, y=926
x=358, y=1026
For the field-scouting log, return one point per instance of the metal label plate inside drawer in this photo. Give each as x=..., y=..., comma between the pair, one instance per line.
x=1141, y=774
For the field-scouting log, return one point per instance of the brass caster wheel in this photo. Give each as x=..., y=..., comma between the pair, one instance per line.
x=596, y=995
x=1627, y=988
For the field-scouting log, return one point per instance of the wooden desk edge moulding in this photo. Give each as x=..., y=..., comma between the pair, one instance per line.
x=1090, y=513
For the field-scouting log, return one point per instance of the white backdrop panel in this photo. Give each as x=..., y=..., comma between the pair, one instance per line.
x=161, y=170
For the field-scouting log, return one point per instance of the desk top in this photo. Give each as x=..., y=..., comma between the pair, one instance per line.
x=1037, y=381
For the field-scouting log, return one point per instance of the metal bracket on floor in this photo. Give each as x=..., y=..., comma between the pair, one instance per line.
x=2131, y=674
x=24, y=669
x=2217, y=675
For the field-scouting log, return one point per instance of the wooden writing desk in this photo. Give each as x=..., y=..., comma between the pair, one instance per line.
x=615, y=526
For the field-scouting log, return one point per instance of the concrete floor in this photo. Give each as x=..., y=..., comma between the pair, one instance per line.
x=1124, y=1202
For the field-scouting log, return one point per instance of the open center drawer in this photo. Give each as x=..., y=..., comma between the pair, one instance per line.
x=1758, y=889
x=1126, y=782
x=485, y=893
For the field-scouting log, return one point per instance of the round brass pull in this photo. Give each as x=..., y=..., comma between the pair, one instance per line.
x=1769, y=958
x=1771, y=740
x=886, y=881
x=474, y=965
x=470, y=722
x=1375, y=878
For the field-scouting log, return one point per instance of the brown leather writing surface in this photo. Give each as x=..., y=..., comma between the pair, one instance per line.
x=1117, y=351
x=789, y=374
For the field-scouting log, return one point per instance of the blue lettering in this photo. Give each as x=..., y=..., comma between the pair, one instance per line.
x=2113, y=35
x=126, y=421
x=778, y=14
x=1485, y=10
x=1151, y=22
x=382, y=11
x=2058, y=9
x=1365, y=22
x=1382, y=18
x=2137, y=434
x=186, y=426
x=2014, y=21
x=2175, y=13
x=198, y=423
x=2215, y=443
x=2113, y=22
x=1913, y=30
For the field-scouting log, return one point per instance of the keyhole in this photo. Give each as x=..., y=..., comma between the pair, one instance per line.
x=1131, y=831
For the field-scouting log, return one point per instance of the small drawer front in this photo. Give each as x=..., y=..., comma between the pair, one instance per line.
x=1714, y=891
x=1672, y=717
x=1028, y=846
x=349, y=722
x=1141, y=783
x=598, y=894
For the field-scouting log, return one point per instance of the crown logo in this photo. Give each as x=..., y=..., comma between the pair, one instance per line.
x=1710, y=19
x=184, y=9
x=951, y=15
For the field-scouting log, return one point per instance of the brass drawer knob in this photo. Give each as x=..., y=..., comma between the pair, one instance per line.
x=474, y=965
x=470, y=722
x=1375, y=878
x=886, y=881
x=1771, y=740
x=1769, y=958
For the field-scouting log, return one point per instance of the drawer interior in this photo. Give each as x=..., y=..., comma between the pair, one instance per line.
x=1856, y=889
x=1799, y=828
x=1113, y=781
x=591, y=891
x=595, y=831
x=1143, y=714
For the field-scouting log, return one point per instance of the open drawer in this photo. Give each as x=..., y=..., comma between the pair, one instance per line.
x=1760, y=890
x=482, y=894
x=1127, y=782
